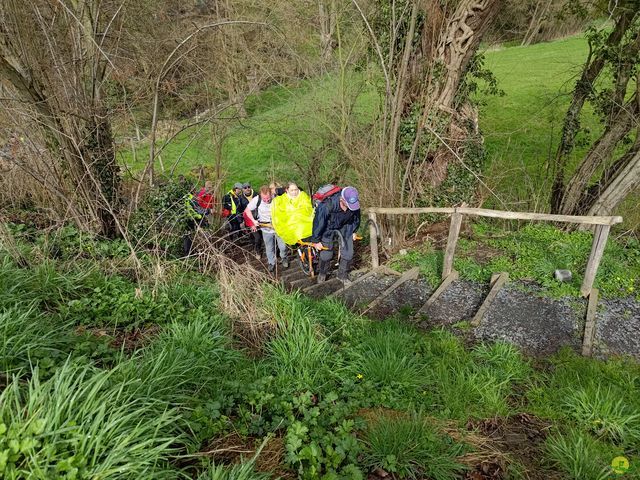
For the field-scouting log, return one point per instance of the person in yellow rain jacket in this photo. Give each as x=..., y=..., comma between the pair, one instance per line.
x=292, y=215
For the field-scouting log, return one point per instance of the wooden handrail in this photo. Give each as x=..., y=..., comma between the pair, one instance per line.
x=483, y=212
x=603, y=225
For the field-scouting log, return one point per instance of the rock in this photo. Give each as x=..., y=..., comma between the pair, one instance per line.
x=562, y=275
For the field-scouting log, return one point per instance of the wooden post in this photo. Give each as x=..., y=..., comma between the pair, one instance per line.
x=454, y=231
x=597, y=249
x=373, y=240
x=590, y=323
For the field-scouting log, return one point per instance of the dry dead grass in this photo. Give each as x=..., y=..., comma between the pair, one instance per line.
x=242, y=291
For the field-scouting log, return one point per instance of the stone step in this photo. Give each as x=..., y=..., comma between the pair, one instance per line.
x=459, y=302
x=324, y=289
x=360, y=295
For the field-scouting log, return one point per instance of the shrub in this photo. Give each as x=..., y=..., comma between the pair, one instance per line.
x=120, y=303
x=160, y=220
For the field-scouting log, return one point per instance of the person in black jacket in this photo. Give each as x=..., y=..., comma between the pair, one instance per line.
x=232, y=208
x=336, y=216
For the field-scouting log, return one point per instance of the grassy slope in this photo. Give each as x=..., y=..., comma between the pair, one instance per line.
x=282, y=122
x=343, y=395
x=522, y=127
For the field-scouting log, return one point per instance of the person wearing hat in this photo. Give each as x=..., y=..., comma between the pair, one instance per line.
x=232, y=207
x=339, y=213
x=247, y=191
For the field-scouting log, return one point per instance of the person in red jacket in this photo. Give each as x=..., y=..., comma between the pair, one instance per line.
x=205, y=196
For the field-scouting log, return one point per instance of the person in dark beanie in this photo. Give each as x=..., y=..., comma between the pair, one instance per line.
x=336, y=216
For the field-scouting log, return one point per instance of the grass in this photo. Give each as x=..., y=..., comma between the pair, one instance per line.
x=27, y=338
x=579, y=456
x=285, y=125
x=82, y=424
x=387, y=356
x=340, y=395
x=522, y=128
x=408, y=446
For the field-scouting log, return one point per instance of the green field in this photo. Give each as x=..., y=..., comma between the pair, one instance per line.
x=521, y=129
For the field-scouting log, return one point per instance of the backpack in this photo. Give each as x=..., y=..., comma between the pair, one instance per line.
x=325, y=192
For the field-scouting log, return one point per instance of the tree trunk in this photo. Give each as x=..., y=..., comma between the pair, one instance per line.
x=599, y=155
x=327, y=20
x=459, y=43
x=582, y=90
x=626, y=180
x=539, y=15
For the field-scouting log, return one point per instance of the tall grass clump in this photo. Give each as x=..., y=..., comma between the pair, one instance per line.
x=299, y=351
x=408, y=446
x=387, y=356
x=579, y=456
x=28, y=338
x=341, y=325
x=477, y=383
x=45, y=285
x=186, y=361
x=240, y=471
x=85, y=423
x=604, y=414
x=599, y=397
x=243, y=297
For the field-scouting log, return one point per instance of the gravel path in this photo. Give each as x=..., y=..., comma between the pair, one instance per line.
x=618, y=328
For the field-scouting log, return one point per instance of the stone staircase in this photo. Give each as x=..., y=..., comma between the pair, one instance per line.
x=501, y=310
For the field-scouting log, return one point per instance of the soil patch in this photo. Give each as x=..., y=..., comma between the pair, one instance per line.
x=483, y=254
x=517, y=438
x=234, y=449
x=125, y=340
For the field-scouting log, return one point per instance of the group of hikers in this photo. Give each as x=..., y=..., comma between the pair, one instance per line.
x=277, y=216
